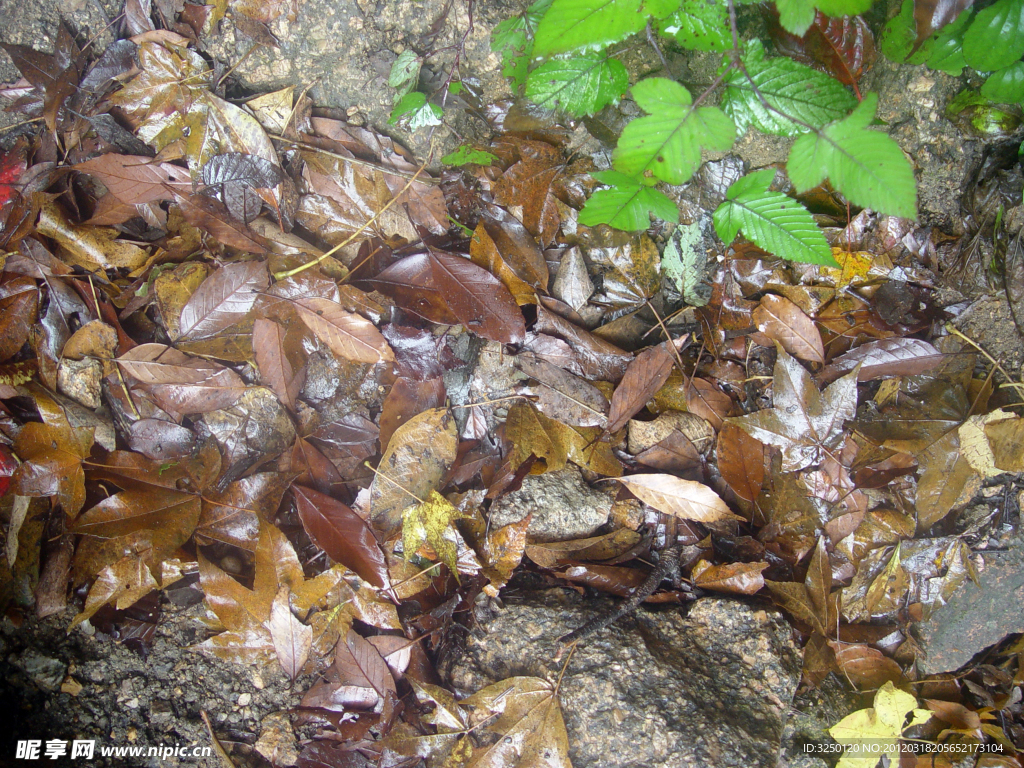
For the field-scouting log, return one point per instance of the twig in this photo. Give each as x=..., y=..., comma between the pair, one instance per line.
x=354, y=160
x=667, y=568
x=1009, y=381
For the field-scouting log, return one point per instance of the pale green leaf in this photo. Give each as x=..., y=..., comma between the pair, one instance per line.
x=684, y=263
x=699, y=25
x=405, y=72
x=578, y=25
x=627, y=204
x=414, y=109
x=772, y=220
x=668, y=142
x=794, y=89
x=581, y=85
x=995, y=38
x=867, y=166
x=1006, y=85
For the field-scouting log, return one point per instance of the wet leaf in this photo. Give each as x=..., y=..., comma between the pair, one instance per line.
x=407, y=398
x=361, y=666
x=734, y=578
x=805, y=423
x=350, y=336
x=223, y=299
x=506, y=250
x=881, y=724
x=812, y=601
x=644, y=376
x=450, y=290
x=535, y=182
x=783, y=321
x=181, y=384
x=562, y=396
x=741, y=462
x=533, y=433
x=684, y=499
x=572, y=282
x=416, y=460
x=272, y=347
x=292, y=639
x=51, y=463
x=842, y=46
x=432, y=522
x=232, y=516
x=342, y=534
x=880, y=359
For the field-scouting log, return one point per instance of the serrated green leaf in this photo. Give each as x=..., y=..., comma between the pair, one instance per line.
x=699, y=25
x=659, y=9
x=899, y=34
x=1006, y=85
x=627, y=204
x=581, y=85
x=772, y=220
x=867, y=166
x=513, y=39
x=405, y=72
x=579, y=25
x=668, y=142
x=995, y=38
x=792, y=88
x=465, y=155
x=684, y=263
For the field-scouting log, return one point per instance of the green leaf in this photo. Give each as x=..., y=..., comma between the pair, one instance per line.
x=513, y=38
x=772, y=220
x=580, y=86
x=465, y=155
x=995, y=38
x=899, y=34
x=413, y=108
x=668, y=142
x=699, y=25
x=866, y=166
x=684, y=263
x=627, y=204
x=947, y=53
x=405, y=72
x=796, y=16
x=659, y=9
x=1006, y=85
x=577, y=25
x=794, y=89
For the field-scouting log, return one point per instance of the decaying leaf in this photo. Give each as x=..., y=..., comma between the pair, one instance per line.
x=685, y=499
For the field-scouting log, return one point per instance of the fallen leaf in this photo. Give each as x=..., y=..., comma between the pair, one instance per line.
x=223, y=299
x=805, y=423
x=842, y=46
x=741, y=462
x=350, y=336
x=432, y=522
x=684, y=499
x=783, y=321
x=643, y=377
x=813, y=601
x=292, y=639
x=561, y=395
x=734, y=578
x=881, y=724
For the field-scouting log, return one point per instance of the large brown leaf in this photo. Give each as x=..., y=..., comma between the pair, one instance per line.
x=813, y=601
x=741, y=462
x=505, y=249
x=562, y=396
x=137, y=179
x=223, y=299
x=181, y=384
x=342, y=534
x=841, y=46
x=644, y=376
x=274, y=347
x=449, y=289
x=783, y=321
x=805, y=423
x=350, y=336
x=534, y=182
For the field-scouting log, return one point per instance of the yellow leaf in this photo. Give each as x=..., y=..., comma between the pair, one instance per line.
x=432, y=523
x=878, y=727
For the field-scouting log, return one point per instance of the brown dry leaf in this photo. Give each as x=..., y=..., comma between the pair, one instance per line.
x=534, y=182
x=274, y=347
x=137, y=179
x=805, y=423
x=292, y=639
x=644, y=376
x=783, y=321
x=51, y=463
x=122, y=583
x=572, y=283
x=813, y=601
x=684, y=499
x=232, y=516
x=505, y=249
x=735, y=578
x=363, y=671
x=555, y=443
x=19, y=307
x=865, y=667
x=92, y=248
x=222, y=300
x=350, y=336
x=452, y=290
x=595, y=548
x=525, y=714
x=741, y=462
x=419, y=455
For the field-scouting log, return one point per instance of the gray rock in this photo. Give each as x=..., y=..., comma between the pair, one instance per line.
x=45, y=672
x=563, y=505
x=976, y=618
x=712, y=687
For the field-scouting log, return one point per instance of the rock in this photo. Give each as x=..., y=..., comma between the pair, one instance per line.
x=563, y=505
x=45, y=672
x=712, y=687
x=976, y=618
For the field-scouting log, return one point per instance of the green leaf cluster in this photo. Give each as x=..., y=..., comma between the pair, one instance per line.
x=563, y=54
x=411, y=105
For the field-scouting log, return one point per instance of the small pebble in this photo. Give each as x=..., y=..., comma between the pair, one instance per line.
x=244, y=699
